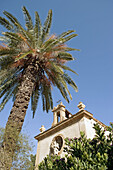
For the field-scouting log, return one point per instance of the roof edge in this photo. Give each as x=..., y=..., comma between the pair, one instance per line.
x=75, y=117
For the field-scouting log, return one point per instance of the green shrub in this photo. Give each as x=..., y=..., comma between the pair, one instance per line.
x=83, y=153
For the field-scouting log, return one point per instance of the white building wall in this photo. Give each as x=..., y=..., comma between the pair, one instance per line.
x=90, y=131
x=70, y=131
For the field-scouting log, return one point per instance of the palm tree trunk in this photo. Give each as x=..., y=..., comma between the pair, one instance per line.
x=17, y=114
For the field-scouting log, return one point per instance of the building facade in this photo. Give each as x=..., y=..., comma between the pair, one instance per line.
x=64, y=125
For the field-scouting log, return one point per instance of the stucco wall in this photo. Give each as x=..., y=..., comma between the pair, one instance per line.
x=90, y=132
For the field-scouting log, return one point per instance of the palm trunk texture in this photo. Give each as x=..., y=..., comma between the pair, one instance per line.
x=16, y=117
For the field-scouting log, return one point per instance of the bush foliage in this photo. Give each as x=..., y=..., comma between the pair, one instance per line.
x=83, y=153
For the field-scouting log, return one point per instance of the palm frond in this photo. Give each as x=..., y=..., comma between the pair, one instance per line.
x=67, y=68
x=63, y=40
x=6, y=24
x=55, y=78
x=12, y=36
x=8, y=94
x=6, y=51
x=13, y=19
x=63, y=82
x=65, y=33
x=5, y=100
x=9, y=80
x=59, y=40
x=15, y=92
x=46, y=97
x=7, y=88
x=65, y=56
x=46, y=28
x=47, y=25
x=48, y=43
x=70, y=81
x=25, y=40
x=15, y=36
x=63, y=49
x=29, y=23
x=23, y=32
x=38, y=27
x=4, y=74
x=21, y=56
x=31, y=36
x=51, y=45
x=34, y=99
x=4, y=88
x=62, y=91
x=4, y=39
x=71, y=49
x=56, y=68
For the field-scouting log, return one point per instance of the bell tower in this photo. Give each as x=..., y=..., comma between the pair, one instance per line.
x=60, y=114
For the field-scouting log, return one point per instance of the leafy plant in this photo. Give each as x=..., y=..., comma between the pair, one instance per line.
x=86, y=154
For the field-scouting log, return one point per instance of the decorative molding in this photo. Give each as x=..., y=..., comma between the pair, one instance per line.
x=67, y=122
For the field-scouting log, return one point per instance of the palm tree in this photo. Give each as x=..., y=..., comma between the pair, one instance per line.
x=31, y=62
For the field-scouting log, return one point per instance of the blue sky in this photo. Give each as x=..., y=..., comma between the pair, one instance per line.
x=93, y=22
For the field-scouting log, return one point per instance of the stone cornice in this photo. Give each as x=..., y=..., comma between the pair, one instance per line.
x=67, y=122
